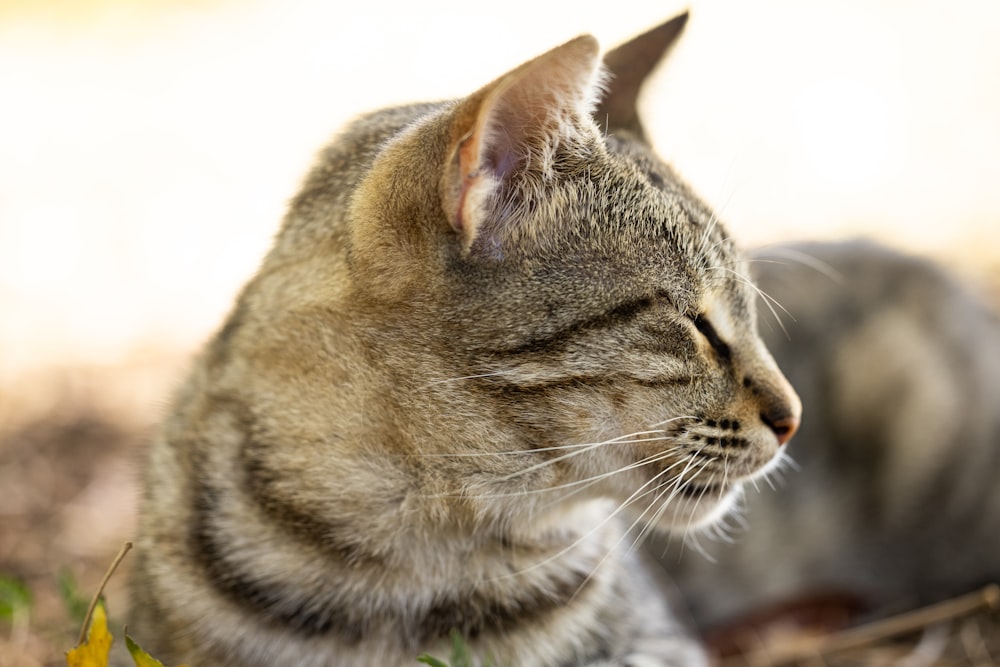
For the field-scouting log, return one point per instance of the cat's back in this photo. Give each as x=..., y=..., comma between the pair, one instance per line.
x=893, y=340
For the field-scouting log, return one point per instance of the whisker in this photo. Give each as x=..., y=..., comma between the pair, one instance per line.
x=586, y=448
x=676, y=484
x=807, y=260
x=467, y=377
x=672, y=419
x=631, y=527
x=534, y=450
x=697, y=500
x=621, y=439
x=657, y=515
x=657, y=494
x=776, y=474
x=590, y=481
x=582, y=484
x=768, y=300
x=586, y=482
x=637, y=493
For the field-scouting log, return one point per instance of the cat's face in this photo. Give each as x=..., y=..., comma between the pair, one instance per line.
x=592, y=316
x=623, y=340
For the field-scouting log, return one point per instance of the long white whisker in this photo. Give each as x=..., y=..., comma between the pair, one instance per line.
x=807, y=260
x=654, y=491
x=675, y=485
x=584, y=483
x=768, y=300
x=621, y=439
x=468, y=377
x=672, y=419
x=618, y=440
x=590, y=481
x=657, y=515
x=554, y=448
x=704, y=464
x=637, y=493
x=697, y=501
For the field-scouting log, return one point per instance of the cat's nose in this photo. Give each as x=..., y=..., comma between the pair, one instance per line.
x=782, y=422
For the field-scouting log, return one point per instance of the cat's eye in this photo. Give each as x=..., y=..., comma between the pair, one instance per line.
x=706, y=329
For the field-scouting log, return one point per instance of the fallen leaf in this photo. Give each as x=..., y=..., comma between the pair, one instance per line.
x=141, y=658
x=93, y=652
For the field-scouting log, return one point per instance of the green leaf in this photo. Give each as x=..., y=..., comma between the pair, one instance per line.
x=460, y=656
x=15, y=598
x=429, y=660
x=73, y=601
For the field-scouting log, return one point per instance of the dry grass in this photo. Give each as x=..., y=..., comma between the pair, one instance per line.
x=961, y=631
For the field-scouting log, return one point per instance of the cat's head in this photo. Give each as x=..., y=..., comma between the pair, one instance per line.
x=588, y=318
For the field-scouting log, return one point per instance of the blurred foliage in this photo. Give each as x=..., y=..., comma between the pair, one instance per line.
x=15, y=598
x=73, y=601
x=460, y=655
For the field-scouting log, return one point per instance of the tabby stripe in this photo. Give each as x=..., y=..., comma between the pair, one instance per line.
x=546, y=343
x=277, y=604
x=500, y=385
x=327, y=611
x=303, y=525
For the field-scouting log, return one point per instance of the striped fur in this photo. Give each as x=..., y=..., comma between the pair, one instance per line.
x=490, y=338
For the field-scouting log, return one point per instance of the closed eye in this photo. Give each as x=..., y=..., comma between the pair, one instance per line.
x=711, y=335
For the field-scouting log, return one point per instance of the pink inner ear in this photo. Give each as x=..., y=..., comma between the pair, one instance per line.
x=468, y=169
x=485, y=159
x=518, y=116
x=502, y=158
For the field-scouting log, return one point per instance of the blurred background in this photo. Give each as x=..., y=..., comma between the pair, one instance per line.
x=148, y=149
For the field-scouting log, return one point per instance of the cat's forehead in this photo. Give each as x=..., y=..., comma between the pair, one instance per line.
x=679, y=234
x=699, y=233
x=622, y=225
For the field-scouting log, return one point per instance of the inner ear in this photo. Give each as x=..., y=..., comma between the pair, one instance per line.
x=512, y=125
x=630, y=66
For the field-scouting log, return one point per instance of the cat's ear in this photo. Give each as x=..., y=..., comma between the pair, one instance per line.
x=519, y=118
x=629, y=66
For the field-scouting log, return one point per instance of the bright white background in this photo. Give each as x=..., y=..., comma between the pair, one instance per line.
x=147, y=149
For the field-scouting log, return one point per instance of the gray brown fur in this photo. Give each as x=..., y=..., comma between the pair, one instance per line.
x=895, y=504
x=367, y=454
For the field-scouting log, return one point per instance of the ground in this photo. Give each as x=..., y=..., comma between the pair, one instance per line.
x=70, y=451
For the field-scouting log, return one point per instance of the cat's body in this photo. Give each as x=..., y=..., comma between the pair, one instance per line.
x=895, y=502
x=486, y=335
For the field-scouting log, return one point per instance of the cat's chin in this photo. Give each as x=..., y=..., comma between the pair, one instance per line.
x=699, y=507
x=707, y=514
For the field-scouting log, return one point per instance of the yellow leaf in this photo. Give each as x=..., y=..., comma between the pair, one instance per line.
x=93, y=652
x=140, y=657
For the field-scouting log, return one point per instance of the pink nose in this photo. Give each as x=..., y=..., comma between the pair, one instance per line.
x=783, y=425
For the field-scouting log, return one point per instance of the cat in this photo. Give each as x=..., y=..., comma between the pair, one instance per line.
x=894, y=504
x=490, y=337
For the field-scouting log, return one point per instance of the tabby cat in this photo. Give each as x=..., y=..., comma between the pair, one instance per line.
x=894, y=504
x=490, y=337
